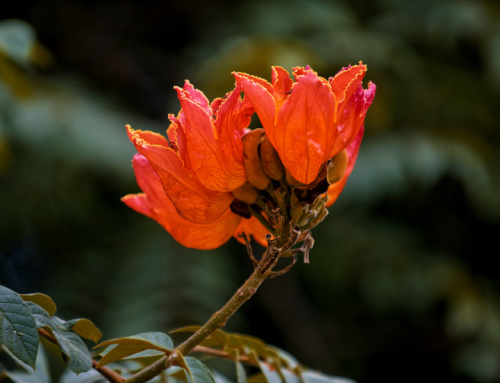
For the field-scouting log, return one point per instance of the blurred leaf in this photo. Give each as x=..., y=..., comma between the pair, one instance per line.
x=316, y=377
x=42, y=300
x=125, y=347
x=241, y=376
x=85, y=328
x=271, y=374
x=20, y=334
x=40, y=375
x=217, y=338
x=16, y=39
x=197, y=371
x=74, y=351
x=91, y=376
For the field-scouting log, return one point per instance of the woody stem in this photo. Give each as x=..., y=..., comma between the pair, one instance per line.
x=216, y=321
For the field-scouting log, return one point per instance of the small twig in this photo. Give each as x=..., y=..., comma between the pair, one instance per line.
x=245, y=237
x=110, y=375
x=275, y=274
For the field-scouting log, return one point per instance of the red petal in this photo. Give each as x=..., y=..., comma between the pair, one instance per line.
x=155, y=204
x=260, y=93
x=305, y=124
x=214, y=150
x=335, y=189
x=191, y=199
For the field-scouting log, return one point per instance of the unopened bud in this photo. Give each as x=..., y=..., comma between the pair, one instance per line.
x=271, y=160
x=251, y=160
x=246, y=193
x=336, y=167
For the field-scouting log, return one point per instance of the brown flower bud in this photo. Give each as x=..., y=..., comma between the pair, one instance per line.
x=271, y=160
x=251, y=160
x=290, y=179
x=336, y=167
x=246, y=193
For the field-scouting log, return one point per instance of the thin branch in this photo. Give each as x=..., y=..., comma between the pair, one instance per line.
x=248, y=244
x=110, y=375
x=216, y=321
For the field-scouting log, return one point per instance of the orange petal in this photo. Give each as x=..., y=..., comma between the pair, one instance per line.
x=260, y=93
x=345, y=83
x=306, y=130
x=155, y=204
x=215, y=154
x=352, y=149
x=252, y=227
x=191, y=199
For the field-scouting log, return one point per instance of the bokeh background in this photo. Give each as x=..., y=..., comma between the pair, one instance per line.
x=403, y=284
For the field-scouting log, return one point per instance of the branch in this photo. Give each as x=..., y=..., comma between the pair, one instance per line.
x=110, y=375
x=216, y=321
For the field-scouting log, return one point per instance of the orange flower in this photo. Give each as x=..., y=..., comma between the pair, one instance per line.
x=155, y=204
x=312, y=119
x=186, y=179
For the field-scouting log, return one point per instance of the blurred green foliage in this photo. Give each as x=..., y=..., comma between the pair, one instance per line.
x=403, y=282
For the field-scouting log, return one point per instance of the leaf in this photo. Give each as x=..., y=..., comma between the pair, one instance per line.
x=125, y=347
x=271, y=375
x=86, y=329
x=217, y=338
x=40, y=375
x=257, y=378
x=197, y=371
x=74, y=351
x=286, y=358
x=91, y=376
x=16, y=39
x=42, y=300
x=290, y=377
x=1, y=329
x=316, y=377
x=20, y=334
x=241, y=376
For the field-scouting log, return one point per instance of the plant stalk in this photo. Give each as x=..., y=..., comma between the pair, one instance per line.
x=216, y=321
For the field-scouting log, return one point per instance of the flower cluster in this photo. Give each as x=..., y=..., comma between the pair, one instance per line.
x=212, y=177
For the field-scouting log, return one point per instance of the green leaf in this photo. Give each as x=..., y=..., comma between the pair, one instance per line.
x=74, y=351
x=286, y=358
x=20, y=334
x=197, y=371
x=40, y=375
x=91, y=376
x=241, y=376
x=129, y=346
x=42, y=300
x=85, y=328
x=257, y=378
x=16, y=39
x=1, y=329
x=271, y=375
x=290, y=377
x=316, y=377
x=217, y=338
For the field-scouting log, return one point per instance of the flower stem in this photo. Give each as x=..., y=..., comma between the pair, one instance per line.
x=216, y=321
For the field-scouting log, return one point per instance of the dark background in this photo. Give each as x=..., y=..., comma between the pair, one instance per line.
x=403, y=284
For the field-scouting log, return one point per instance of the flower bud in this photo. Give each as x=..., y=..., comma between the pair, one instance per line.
x=336, y=167
x=271, y=160
x=246, y=193
x=251, y=160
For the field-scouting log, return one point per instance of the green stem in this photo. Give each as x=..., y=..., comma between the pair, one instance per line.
x=215, y=322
